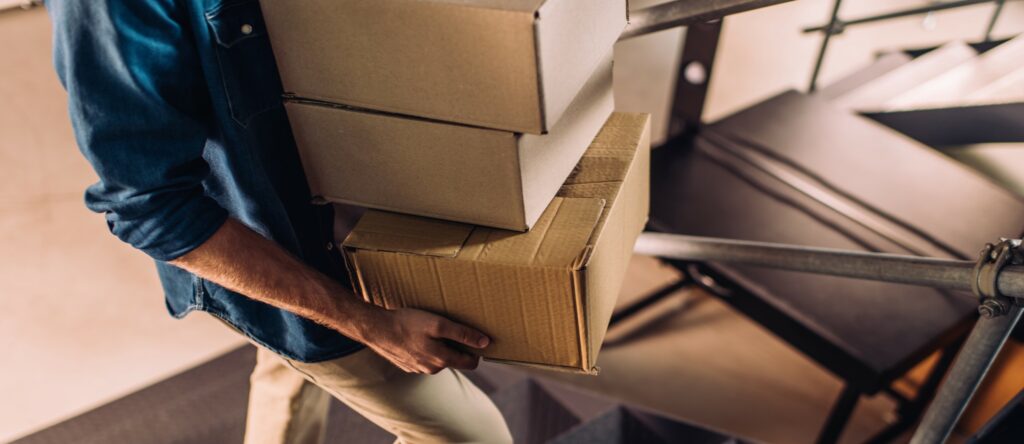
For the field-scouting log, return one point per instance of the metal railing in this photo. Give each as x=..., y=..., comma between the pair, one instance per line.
x=837, y=25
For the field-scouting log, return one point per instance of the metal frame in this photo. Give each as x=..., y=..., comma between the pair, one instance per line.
x=997, y=276
x=835, y=25
x=858, y=379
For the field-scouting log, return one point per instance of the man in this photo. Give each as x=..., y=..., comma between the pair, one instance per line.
x=176, y=103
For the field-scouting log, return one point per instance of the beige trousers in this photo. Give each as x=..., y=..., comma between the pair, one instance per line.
x=288, y=401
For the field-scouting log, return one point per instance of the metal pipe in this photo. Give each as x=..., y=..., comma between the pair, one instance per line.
x=994, y=19
x=914, y=270
x=833, y=21
x=902, y=13
x=686, y=12
x=968, y=371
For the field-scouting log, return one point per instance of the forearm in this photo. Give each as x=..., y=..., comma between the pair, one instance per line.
x=241, y=260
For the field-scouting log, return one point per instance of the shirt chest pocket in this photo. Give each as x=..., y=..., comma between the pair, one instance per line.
x=250, y=77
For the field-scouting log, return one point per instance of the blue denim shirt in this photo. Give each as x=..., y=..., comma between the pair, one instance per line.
x=177, y=105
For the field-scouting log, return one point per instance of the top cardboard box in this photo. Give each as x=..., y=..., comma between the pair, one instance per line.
x=504, y=64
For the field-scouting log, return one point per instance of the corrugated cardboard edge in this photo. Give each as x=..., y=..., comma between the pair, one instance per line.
x=579, y=289
x=641, y=159
x=354, y=277
x=558, y=368
x=542, y=124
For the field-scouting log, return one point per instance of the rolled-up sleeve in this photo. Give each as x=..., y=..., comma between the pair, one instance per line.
x=139, y=107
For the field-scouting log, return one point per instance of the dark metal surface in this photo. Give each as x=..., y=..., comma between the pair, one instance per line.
x=969, y=369
x=685, y=13
x=958, y=125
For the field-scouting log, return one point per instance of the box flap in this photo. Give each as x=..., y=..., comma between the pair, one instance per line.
x=384, y=231
x=559, y=239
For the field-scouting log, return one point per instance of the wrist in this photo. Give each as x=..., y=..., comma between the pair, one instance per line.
x=348, y=313
x=365, y=321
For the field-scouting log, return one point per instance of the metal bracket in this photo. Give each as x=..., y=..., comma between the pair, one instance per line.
x=984, y=282
x=695, y=66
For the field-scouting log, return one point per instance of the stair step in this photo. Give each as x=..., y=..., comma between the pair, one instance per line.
x=532, y=413
x=625, y=425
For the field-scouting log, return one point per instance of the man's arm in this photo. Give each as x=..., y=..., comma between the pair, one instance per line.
x=239, y=259
x=134, y=95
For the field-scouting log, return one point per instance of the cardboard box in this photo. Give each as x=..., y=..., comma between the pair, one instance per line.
x=506, y=64
x=444, y=170
x=545, y=297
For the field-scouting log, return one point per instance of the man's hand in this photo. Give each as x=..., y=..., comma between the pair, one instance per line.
x=416, y=341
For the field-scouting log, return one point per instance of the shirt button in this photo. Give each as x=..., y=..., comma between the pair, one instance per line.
x=246, y=29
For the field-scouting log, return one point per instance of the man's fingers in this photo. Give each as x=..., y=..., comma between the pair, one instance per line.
x=460, y=333
x=448, y=357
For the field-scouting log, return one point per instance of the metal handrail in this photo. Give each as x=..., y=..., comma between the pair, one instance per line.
x=902, y=269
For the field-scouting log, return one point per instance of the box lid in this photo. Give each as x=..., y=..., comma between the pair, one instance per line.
x=559, y=239
x=513, y=65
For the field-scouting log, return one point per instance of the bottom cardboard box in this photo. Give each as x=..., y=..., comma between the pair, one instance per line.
x=545, y=297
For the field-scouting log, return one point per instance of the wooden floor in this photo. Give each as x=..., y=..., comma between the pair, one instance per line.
x=82, y=320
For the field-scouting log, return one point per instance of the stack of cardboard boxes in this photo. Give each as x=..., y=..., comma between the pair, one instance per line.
x=494, y=119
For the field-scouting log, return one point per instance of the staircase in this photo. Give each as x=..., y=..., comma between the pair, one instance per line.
x=207, y=405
